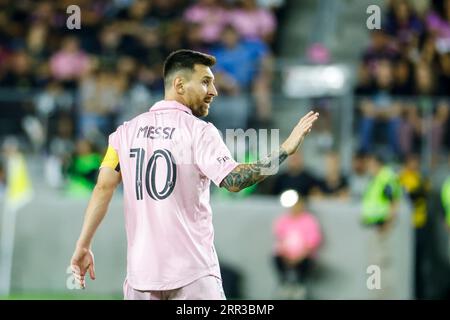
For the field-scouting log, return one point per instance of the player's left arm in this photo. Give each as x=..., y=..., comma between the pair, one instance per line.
x=247, y=174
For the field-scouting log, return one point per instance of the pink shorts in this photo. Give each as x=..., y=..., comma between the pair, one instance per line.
x=206, y=288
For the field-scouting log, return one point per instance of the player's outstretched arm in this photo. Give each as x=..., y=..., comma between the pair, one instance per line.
x=83, y=258
x=246, y=175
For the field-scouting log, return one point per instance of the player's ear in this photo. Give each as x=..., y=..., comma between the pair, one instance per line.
x=179, y=85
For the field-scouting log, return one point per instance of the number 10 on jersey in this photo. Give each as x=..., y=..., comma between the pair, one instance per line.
x=150, y=173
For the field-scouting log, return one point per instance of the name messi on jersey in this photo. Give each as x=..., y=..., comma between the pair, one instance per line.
x=151, y=132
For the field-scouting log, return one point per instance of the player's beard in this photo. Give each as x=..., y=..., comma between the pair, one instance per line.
x=201, y=110
x=205, y=109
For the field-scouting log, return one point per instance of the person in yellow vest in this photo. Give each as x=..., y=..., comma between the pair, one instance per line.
x=18, y=183
x=417, y=186
x=445, y=196
x=379, y=208
x=18, y=193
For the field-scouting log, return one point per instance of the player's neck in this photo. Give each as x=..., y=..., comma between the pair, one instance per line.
x=172, y=97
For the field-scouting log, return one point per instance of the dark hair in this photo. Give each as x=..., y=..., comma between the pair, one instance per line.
x=186, y=59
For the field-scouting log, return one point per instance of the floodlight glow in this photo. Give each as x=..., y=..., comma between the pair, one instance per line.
x=289, y=198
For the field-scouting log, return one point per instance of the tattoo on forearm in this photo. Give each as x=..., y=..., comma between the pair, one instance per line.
x=246, y=175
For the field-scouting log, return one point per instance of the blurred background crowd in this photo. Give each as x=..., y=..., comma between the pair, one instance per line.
x=71, y=88
x=62, y=92
x=404, y=80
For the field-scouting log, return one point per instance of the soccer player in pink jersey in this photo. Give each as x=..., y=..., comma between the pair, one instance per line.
x=166, y=159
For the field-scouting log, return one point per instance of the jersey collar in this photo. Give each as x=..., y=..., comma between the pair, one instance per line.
x=170, y=105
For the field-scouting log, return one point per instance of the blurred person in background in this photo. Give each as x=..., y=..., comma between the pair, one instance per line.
x=417, y=187
x=403, y=21
x=412, y=130
x=425, y=89
x=252, y=21
x=334, y=184
x=149, y=57
x=243, y=67
x=403, y=24
x=108, y=45
x=174, y=36
x=438, y=24
x=18, y=75
x=101, y=96
x=445, y=201
x=135, y=14
x=167, y=11
x=324, y=139
x=380, y=48
x=211, y=18
x=439, y=128
x=19, y=190
x=445, y=198
x=19, y=72
x=51, y=103
x=403, y=78
x=425, y=117
x=381, y=108
x=194, y=39
x=2, y=179
x=55, y=109
x=296, y=177
x=426, y=50
x=444, y=74
x=364, y=86
x=38, y=50
x=95, y=14
x=82, y=170
x=69, y=63
x=379, y=208
x=61, y=147
x=256, y=23
x=359, y=177
x=297, y=238
x=137, y=93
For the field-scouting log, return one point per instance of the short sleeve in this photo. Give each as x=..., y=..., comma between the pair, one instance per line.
x=212, y=155
x=113, y=140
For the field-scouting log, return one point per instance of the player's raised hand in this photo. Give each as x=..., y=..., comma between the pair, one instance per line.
x=297, y=135
x=82, y=261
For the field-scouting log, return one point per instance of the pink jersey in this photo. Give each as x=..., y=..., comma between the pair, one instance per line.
x=296, y=233
x=167, y=159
